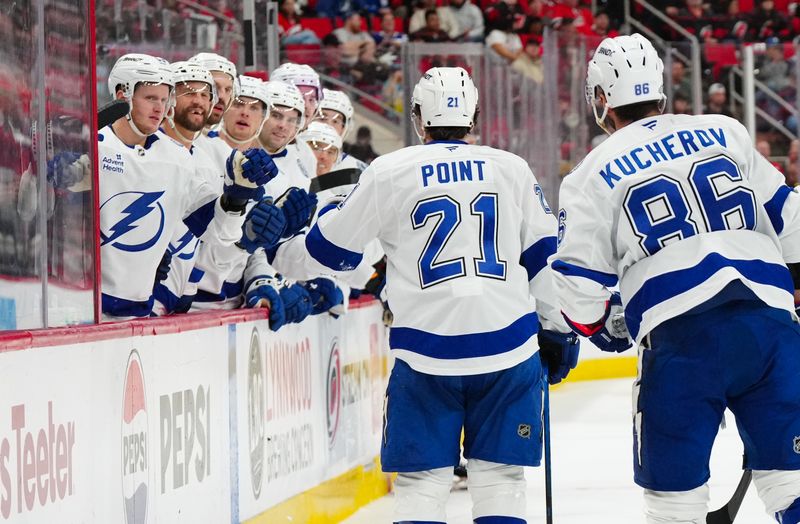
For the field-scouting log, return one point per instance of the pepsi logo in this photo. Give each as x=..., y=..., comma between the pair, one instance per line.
x=134, y=443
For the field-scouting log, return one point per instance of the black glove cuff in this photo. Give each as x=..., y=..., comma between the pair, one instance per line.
x=794, y=269
x=233, y=205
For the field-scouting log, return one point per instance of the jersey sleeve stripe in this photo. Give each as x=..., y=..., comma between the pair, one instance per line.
x=666, y=286
x=534, y=259
x=470, y=345
x=198, y=220
x=774, y=207
x=329, y=254
x=571, y=270
x=120, y=307
x=167, y=298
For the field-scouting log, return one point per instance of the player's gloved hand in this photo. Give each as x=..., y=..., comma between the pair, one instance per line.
x=559, y=353
x=263, y=292
x=67, y=168
x=298, y=207
x=324, y=293
x=610, y=333
x=263, y=226
x=163, y=267
x=377, y=281
x=246, y=174
x=296, y=301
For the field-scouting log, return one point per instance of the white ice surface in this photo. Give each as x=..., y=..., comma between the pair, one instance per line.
x=592, y=472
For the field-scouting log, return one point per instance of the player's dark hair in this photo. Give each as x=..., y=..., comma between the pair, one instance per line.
x=634, y=112
x=447, y=133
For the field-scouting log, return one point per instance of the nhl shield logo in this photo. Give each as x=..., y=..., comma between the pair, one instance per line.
x=797, y=445
x=524, y=430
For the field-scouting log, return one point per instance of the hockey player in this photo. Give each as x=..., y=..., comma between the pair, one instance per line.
x=223, y=71
x=147, y=186
x=325, y=143
x=242, y=123
x=195, y=98
x=695, y=225
x=467, y=242
x=306, y=80
x=336, y=110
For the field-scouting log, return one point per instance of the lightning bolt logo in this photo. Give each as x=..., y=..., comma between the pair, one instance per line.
x=134, y=212
x=183, y=242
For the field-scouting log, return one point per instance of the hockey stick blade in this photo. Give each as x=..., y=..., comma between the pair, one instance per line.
x=727, y=513
x=111, y=112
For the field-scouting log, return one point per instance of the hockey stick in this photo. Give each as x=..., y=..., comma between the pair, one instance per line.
x=111, y=112
x=727, y=513
x=548, y=481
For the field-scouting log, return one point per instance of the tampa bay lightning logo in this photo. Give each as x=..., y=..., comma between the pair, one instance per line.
x=182, y=249
x=140, y=222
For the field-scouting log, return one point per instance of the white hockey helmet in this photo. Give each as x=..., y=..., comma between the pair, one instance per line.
x=252, y=87
x=298, y=75
x=339, y=101
x=193, y=72
x=628, y=70
x=215, y=62
x=286, y=95
x=134, y=68
x=321, y=136
x=447, y=97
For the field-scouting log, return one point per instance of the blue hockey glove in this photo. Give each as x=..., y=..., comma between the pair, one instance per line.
x=246, y=174
x=67, y=168
x=163, y=267
x=298, y=208
x=296, y=301
x=610, y=333
x=261, y=293
x=324, y=294
x=559, y=353
x=263, y=226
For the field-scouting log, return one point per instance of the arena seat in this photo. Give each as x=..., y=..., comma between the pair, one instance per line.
x=721, y=57
x=321, y=26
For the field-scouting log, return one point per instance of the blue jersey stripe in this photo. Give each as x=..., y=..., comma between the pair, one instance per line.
x=571, y=270
x=198, y=220
x=229, y=290
x=167, y=298
x=465, y=346
x=120, y=307
x=668, y=285
x=775, y=206
x=329, y=254
x=534, y=259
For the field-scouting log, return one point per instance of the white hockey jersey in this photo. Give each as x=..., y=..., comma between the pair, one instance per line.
x=349, y=162
x=467, y=240
x=145, y=193
x=219, y=269
x=675, y=207
x=304, y=163
x=179, y=288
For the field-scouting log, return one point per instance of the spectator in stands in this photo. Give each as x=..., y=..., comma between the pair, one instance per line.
x=387, y=39
x=681, y=105
x=681, y=83
x=581, y=16
x=447, y=20
x=774, y=72
x=792, y=167
x=353, y=40
x=717, y=101
x=289, y=29
x=764, y=147
x=695, y=17
x=533, y=28
x=432, y=31
x=393, y=90
x=505, y=43
x=470, y=20
x=766, y=22
x=602, y=26
x=529, y=63
x=363, y=147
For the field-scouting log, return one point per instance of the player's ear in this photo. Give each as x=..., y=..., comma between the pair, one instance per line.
x=120, y=95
